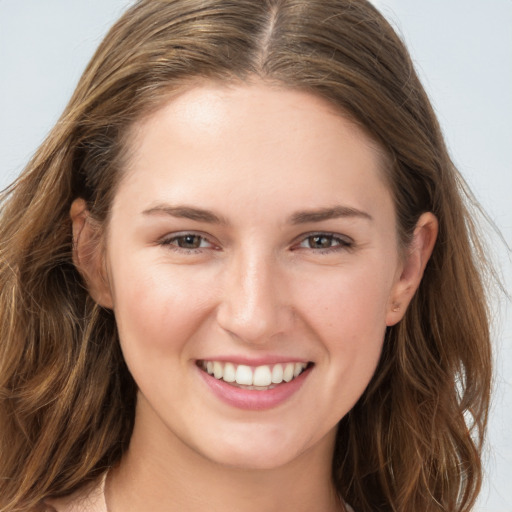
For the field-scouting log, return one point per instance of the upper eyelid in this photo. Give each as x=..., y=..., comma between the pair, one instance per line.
x=339, y=236
x=179, y=234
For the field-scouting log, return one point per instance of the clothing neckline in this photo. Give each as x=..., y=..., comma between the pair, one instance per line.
x=92, y=499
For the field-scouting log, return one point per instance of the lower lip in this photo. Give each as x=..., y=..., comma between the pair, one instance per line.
x=251, y=399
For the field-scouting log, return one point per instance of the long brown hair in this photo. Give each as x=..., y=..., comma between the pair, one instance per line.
x=413, y=440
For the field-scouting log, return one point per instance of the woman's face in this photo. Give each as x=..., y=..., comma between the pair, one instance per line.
x=252, y=264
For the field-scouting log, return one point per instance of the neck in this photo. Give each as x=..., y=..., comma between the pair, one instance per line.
x=160, y=473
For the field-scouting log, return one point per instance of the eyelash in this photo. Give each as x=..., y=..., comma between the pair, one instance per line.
x=342, y=243
x=173, y=242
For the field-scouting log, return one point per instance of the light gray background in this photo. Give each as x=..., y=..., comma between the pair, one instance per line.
x=463, y=50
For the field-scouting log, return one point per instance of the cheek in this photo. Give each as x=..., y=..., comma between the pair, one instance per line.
x=156, y=310
x=347, y=310
x=357, y=297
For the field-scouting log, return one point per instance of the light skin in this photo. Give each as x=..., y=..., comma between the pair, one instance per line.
x=253, y=223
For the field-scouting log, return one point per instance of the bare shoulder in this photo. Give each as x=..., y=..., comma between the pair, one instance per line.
x=90, y=498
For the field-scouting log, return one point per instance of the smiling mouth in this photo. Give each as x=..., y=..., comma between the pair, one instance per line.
x=259, y=378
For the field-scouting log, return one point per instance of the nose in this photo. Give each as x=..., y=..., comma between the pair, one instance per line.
x=254, y=306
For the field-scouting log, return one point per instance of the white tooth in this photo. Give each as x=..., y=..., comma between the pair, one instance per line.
x=262, y=376
x=277, y=374
x=244, y=375
x=298, y=369
x=288, y=372
x=218, y=371
x=209, y=367
x=229, y=372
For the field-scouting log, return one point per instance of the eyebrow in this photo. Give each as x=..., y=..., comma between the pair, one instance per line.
x=322, y=214
x=186, y=212
x=300, y=217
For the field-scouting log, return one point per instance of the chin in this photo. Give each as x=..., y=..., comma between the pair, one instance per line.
x=252, y=460
x=263, y=448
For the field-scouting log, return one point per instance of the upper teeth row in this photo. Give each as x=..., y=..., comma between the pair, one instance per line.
x=254, y=376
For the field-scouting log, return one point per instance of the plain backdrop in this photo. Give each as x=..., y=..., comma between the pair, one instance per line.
x=463, y=51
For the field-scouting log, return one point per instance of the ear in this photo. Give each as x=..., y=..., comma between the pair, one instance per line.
x=88, y=255
x=413, y=266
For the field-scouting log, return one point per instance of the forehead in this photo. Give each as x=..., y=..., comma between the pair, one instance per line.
x=255, y=138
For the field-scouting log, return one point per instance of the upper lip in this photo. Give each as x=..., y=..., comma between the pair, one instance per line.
x=255, y=361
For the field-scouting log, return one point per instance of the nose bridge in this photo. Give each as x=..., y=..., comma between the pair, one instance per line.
x=252, y=307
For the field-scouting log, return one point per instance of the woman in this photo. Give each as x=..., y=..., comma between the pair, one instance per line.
x=240, y=274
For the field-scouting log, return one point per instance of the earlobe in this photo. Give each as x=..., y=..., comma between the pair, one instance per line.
x=87, y=254
x=415, y=261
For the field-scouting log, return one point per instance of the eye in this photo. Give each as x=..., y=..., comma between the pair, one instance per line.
x=187, y=241
x=324, y=242
x=319, y=242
